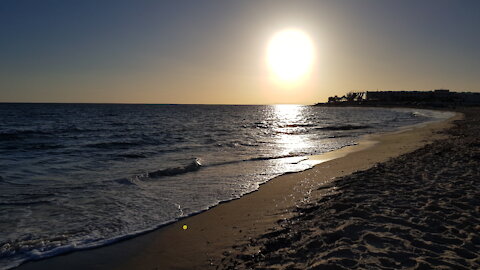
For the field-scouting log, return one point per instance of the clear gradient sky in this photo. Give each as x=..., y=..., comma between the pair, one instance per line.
x=213, y=52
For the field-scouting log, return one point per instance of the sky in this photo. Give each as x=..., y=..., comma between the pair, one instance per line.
x=214, y=52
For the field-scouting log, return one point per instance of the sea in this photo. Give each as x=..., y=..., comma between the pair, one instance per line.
x=77, y=176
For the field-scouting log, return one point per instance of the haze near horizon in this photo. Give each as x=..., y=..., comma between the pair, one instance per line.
x=243, y=52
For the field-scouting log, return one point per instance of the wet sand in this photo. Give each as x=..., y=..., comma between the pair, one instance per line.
x=274, y=225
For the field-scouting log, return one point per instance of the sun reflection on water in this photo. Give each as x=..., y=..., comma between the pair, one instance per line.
x=288, y=112
x=290, y=124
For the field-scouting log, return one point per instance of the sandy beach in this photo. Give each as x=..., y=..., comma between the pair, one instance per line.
x=395, y=200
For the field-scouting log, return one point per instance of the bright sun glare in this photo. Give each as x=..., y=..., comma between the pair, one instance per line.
x=290, y=55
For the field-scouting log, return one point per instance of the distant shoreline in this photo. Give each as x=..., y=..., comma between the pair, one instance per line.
x=391, y=105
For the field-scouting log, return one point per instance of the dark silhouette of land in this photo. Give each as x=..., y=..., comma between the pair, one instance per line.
x=435, y=98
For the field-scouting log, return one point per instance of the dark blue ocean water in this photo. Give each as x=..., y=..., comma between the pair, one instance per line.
x=81, y=175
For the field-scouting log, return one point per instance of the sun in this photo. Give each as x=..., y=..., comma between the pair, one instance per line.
x=290, y=55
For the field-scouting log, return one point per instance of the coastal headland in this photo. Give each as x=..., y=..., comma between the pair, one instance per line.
x=369, y=205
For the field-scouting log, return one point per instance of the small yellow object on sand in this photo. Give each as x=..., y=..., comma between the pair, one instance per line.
x=184, y=227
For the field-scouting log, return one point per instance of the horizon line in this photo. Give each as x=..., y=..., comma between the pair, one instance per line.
x=134, y=103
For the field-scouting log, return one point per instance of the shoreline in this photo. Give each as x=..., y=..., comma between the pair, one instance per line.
x=213, y=232
x=419, y=210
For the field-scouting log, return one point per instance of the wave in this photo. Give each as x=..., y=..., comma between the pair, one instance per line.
x=132, y=155
x=234, y=144
x=19, y=134
x=298, y=125
x=270, y=158
x=264, y=158
x=192, y=167
x=31, y=249
x=22, y=134
x=74, y=129
x=265, y=125
x=114, y=145
x=9, y=136
x=344, y=127
x=32, y=202
x=290, y=132
x=31, y=146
